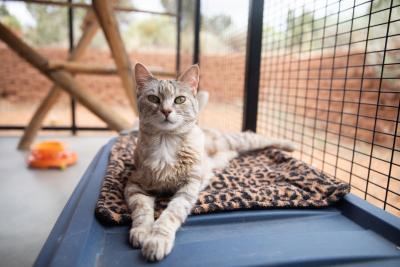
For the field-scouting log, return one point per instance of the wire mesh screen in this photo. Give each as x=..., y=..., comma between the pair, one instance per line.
x=330, y=81
x=222, y=61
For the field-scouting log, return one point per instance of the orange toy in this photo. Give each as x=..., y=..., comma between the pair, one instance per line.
x=51, y=154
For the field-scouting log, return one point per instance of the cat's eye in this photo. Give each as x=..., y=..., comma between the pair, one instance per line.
x=153, y=99
x=180, y=100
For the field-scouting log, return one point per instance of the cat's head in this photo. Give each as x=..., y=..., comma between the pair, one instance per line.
x=167, y=105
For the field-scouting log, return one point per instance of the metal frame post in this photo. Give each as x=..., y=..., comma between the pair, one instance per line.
x=71, y=48
x=178, y=35
x=197, y=26
x=253, y=64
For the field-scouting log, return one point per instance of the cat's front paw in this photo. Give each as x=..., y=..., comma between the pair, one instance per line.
x=157, y=246
x=137, y=235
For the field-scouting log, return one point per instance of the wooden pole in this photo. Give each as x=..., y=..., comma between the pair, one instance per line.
x=88, y=6
x=89, y=30
x=106, y=18
x=36, y=122
x=62, y=79
x=85, y=68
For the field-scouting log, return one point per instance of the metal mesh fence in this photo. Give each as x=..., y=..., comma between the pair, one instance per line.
x=222, y=62
x=330, y=82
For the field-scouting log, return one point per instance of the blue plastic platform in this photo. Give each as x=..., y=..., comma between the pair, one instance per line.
x=352, y=233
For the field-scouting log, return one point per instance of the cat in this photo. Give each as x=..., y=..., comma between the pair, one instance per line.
x=175, y=157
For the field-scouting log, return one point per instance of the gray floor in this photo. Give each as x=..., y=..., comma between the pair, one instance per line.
x=31, y=200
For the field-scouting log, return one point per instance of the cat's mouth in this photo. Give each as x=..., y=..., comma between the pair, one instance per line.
x=167, y=121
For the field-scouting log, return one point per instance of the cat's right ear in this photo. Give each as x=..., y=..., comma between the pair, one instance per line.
x=142, y=76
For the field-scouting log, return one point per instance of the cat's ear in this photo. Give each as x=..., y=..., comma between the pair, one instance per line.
x=142, y=76
x=191, y=77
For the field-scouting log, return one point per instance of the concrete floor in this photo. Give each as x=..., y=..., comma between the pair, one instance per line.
x=31, y=200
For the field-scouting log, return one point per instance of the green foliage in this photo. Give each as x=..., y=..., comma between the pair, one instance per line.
x=381, y=4
x=217, y=24
x=51, y=25
x=4, y=11
x=213, y=28
x=188, y=8
x=152, y=32
x=8, y=19
x=297, y=25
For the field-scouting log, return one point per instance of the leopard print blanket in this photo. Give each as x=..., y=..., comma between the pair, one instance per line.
x=266, y=178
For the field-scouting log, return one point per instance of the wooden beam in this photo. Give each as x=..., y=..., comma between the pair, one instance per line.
x=89, y=29
x=88, y=6
x=83, y=68
x=87, y=68
x=36, y=122
x=106, y=18
x=63, y=79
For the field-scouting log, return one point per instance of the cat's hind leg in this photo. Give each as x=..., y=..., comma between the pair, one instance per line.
x=221, y=159
x=141, y=206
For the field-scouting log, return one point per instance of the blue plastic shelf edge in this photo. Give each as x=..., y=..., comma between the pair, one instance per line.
x=86, y=246
x=371, y=217
x=59, y=229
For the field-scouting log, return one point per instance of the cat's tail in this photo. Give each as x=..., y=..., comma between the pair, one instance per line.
x=241, y=142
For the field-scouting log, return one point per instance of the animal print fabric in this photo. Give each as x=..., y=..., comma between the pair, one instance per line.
x=267, y=178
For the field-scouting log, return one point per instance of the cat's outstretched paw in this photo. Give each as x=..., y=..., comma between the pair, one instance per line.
x=138, y=235
x=157, y=246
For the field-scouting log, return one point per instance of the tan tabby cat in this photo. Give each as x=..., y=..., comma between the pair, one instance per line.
x=175, y=157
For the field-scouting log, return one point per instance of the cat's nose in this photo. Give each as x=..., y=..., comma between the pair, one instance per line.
x=166, y=112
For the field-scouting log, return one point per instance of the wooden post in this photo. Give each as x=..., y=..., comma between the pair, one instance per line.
x=89, y=30
x=63, y=80
x=36, y=122
x=84, y=68
x=106, y=18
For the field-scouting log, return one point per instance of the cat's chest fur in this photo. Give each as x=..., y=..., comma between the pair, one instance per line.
x=162, y=154
x=164, y=162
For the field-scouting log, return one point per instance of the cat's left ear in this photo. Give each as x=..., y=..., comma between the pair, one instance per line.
x=142, y=76
x=191, y=77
